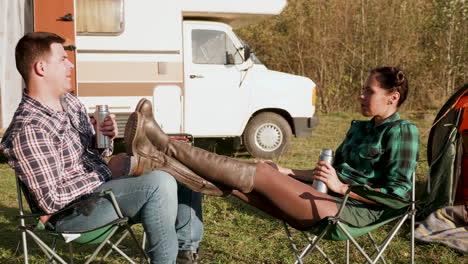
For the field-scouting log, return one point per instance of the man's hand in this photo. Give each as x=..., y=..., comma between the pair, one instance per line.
x=44, y=218
x=119, y=165
x=108, y=127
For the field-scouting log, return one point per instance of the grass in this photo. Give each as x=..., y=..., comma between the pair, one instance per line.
x=238, y=233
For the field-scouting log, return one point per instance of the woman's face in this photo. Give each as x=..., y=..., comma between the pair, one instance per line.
x=376, y=101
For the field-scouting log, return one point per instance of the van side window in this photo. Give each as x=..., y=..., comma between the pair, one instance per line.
x=99, y=17
x=211, y=47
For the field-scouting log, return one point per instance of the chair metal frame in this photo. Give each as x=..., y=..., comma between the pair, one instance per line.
x=378, y=248
x=49, y=251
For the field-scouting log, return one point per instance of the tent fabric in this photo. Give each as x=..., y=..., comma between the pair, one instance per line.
x=447, y=154
x=444, y=155
x=440, y=185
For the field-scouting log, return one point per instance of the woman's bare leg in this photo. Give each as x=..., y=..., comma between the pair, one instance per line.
x=299, y=203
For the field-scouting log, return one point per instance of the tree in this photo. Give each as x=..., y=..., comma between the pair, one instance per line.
x=336, y=42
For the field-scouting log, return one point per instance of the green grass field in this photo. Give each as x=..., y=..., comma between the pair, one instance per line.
x=237, y=233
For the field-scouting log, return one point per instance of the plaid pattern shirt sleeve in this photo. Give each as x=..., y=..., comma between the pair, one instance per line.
x=39, y=166
x=402, y=153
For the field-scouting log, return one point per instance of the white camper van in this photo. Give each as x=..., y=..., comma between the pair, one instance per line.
x=183, y=56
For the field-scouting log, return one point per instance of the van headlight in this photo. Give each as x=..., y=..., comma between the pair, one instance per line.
x=314, y=96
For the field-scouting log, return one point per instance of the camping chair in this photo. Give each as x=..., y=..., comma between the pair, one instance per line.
x=100, y=236
x=334, y=228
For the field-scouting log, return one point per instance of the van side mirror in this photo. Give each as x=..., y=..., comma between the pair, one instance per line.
x=247, y=51
x=229, y=58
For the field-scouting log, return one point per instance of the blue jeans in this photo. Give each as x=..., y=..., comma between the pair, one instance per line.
x=189, y=223
x=150, y=199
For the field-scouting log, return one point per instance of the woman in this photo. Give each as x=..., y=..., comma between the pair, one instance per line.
x=381, y=153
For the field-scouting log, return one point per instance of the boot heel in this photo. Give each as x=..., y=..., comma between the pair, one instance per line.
x=131, y=131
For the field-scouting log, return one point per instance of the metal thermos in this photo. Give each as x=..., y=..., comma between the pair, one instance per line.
x=327, y=156
x=102, y=141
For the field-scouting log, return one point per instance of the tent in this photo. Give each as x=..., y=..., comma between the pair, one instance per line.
x=444, y=203
x=447, y=155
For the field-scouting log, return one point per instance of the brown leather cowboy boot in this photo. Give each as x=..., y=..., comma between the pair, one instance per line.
x=213, y=167
x=150, y=126
x=189, y=257
x=146, y=158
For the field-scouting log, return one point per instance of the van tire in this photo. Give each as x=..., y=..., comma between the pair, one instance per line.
x=267, y=135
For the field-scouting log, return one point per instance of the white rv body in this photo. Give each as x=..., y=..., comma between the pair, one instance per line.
x=184, y=57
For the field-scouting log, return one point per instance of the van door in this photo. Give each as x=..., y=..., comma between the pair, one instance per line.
x=58, y=20
x=216, y=101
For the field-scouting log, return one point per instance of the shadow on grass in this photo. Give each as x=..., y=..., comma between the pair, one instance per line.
x=245, y=208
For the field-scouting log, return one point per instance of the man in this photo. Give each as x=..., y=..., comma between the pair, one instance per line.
x=189, y=225
x=50, y=145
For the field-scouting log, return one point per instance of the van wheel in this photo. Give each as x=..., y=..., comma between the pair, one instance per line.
x=267, y=135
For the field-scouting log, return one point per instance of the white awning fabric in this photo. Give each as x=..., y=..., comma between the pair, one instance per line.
x=15, y=18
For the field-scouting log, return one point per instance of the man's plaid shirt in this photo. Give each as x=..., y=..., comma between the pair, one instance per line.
x=383, y=156
x=52, y=152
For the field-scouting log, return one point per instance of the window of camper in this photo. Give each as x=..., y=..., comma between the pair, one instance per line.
x=99, y=17
x=211, y=47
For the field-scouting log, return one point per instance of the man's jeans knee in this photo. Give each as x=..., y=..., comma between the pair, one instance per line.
x=189, y=224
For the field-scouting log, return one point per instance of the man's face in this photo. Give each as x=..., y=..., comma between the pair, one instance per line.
x=58, y=69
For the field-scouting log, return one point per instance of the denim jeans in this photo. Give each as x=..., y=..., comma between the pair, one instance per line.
x=150, y=199
x=189, y=223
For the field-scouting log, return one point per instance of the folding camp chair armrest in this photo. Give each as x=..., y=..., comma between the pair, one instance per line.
x=103, y=193
x=73, y=205
x=37, y=215
x=379, y=197
x=114, y=201
x=29, y=215
x=345, y=200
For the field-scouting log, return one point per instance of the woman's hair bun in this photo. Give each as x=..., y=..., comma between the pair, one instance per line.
x=400, y=78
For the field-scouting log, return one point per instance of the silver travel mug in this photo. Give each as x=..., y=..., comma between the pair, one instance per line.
x=327, y=156
x=102, y=141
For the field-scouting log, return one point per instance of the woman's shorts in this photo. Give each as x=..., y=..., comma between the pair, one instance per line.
x=358, y=213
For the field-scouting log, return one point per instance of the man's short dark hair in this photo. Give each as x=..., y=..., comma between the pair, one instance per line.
x=32, y=47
